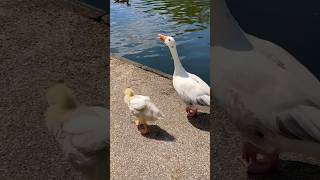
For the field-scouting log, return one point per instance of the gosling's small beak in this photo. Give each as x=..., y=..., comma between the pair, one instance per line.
x=162, y=37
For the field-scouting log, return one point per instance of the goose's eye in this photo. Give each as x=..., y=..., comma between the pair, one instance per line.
x=169, y=39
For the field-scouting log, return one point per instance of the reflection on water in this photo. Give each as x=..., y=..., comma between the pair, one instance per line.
x=182, y=12
x=134, y=32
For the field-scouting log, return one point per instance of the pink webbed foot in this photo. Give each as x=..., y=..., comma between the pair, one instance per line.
x=257, y=161
x=191, y=112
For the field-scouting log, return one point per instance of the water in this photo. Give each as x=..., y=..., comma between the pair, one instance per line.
x=134, y=29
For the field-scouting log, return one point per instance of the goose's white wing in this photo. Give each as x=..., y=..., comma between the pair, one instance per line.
x=201, y=83
x=192, y=90
x=300, y=123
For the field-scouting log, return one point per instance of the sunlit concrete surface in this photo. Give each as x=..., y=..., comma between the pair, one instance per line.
x=177, y=148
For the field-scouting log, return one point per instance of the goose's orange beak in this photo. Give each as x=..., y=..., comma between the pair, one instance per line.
x=162, y=37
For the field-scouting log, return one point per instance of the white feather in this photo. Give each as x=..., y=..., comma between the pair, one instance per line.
x=191, y=89
x=264, y=89
x=82, y=131
x=142, y=107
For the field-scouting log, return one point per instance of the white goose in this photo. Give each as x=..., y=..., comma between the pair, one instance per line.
x=192, y=90
x=272, y=99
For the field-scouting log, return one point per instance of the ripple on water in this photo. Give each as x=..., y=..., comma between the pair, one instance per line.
x=134, y=32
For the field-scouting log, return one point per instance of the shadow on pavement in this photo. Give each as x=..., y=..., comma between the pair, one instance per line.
x=158, y=133
x=202, y=121
x=291, y=170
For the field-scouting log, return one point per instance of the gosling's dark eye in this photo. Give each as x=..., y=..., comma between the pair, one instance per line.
x=169, y=40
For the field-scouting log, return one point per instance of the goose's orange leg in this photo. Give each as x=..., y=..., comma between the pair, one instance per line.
x=266, y=163
x=191, y=112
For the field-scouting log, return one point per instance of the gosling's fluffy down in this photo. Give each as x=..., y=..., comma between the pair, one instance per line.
x=142, y=107
x=82, y=131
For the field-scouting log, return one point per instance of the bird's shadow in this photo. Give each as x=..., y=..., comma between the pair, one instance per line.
x=158, y=133
x=201, y=121
x=290, y=170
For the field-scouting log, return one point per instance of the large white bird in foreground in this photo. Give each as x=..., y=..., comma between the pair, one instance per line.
x=272, y=99
x=191, y=89
x=82, y=131
x=143, y=109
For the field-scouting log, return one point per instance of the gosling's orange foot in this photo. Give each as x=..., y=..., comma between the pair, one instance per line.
x=143, y=128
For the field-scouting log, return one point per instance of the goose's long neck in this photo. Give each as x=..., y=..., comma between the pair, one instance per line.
x=225, y=27
x=178, y=68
